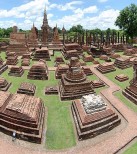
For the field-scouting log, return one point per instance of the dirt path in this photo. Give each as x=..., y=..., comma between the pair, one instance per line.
x=109, y=146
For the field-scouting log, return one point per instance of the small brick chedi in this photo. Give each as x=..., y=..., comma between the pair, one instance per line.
x=122, y=62
x=92, y=116
x=42, y=54
x=4, y=85
x=23, y=115
x=131, y=91
x=12, y=58
x=3, y=67
x=72, y=50
x=74, y=84
x=106, y=67
x=38, y=71
x=16, y=71
x=27, y=88
x=121, y=77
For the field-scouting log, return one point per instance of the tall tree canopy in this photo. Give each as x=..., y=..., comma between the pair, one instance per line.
x=127, y=20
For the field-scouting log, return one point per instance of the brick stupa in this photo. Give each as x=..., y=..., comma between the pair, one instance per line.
x=4, y=85
x=92, y=116
x=131, y=91
x=38, y=71
x=22, y=114
x=74, y=84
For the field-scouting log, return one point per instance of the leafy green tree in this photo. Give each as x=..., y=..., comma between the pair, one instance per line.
x=127, y=20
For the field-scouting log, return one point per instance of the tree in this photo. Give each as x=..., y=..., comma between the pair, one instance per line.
x=77, y=28
x=127, y=20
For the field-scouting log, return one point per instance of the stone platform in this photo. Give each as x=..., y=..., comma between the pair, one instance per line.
x=27, y=88
x=51, y=90
x=4, y=85
x=121, y=77
x=97, y=83
x=92, y=116
x=38, y=71
x=22, y=114
x=106, y=67
x=16, y=71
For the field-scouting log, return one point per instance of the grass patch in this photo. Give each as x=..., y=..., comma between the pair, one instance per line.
x=132, y=149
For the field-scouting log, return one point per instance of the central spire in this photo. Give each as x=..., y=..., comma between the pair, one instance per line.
x=45, y=20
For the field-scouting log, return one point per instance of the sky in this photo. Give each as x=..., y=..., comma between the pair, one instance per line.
x=90, y=14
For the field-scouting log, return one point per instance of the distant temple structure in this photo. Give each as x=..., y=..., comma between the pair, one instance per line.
x=46, y=30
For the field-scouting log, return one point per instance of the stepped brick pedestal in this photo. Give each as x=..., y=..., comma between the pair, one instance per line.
x=42, y=54
x=38, y=71
x=25, y=62
x=16, y=71
x=72, y=50
x=92, y=117
x=74, y=84
x=121, y=77
x=58, y=61
x=4, y=85
x=3, y=67
x=12, y=58
x=22, y=115
x=131, y=91
x=88, y=58
x=87, y=70
x=51, y=90
x=27, y=88
x=26, y=56
x=122, y=62
x=103, y=57
x=61, y=69
x=97, y=83
x=106, y=67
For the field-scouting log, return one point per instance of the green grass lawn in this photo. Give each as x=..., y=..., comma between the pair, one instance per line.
x=131, y=150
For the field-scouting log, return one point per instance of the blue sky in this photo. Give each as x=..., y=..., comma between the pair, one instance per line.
x=89, y=13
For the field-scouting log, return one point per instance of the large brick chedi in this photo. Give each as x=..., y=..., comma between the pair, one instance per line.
x=38, y=71
x=131, y=91
x=74, y=84
x=92, y=116
x=23, y=115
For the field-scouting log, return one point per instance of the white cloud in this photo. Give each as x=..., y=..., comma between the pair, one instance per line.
x=91, y=9
x=104, y=20
x=67, y=6
x=102, y=1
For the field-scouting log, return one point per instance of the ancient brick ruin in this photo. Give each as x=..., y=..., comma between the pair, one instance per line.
x=22, y=114
x=27, y=88
x=92, y=116
x=38, y=71
x=3, y=67
x=18, y=43
x=41, y=54
x=74, y=84
x=88, y=58
x=106, y=67
x=16, y=71
x=4, y=84
x=12, y=58
x=97, y=83
x=61, y=69
x=123, y=62
x=25, y=62
x=72, y=50
x=58, y=61
x=51, y=90
x=131, y=91
x=121, y=77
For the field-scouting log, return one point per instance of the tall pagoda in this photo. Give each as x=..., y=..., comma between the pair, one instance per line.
x=46, y=32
